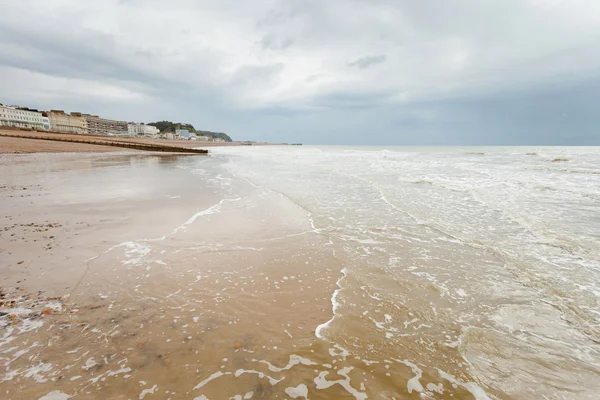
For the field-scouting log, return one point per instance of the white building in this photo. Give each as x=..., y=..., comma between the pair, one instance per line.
x=183, y=133
x=142, y=130
x=23, y=118
x=202, y=138
x=63, y=122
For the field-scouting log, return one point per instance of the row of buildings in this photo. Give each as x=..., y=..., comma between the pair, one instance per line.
x=60, y=121
x=185, y=134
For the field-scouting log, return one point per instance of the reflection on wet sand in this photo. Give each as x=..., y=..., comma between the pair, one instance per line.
x=263, y=274
x=162, y=313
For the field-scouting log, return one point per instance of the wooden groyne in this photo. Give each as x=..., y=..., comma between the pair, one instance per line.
x=115, y=143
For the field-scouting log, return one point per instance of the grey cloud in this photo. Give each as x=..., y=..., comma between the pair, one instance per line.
x=96, y=57
x=88, y=56
x=366, y=62
x=487, y=73
x=353, y=99
x=276, y=16
x=271, y=42
x=256, y=73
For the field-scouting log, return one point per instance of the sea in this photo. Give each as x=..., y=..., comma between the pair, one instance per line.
x=327, y=272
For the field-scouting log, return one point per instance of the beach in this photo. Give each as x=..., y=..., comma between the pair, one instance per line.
x=300, y=272
x=25, y=144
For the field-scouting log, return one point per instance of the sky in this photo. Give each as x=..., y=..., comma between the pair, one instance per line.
x=355, y=72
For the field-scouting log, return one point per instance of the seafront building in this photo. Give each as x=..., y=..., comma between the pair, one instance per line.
x=102, y=126
x=78, y=123
x=142, y=130
x=67, y=123
x=182, y=133
x=20, y=117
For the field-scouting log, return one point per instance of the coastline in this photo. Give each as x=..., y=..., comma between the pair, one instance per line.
x=113, y=292
x=12, y=145
x=280, y=271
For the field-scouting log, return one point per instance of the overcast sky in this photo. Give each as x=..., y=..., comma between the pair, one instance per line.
x=316, y=71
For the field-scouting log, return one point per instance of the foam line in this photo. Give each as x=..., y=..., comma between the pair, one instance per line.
x=334, y=305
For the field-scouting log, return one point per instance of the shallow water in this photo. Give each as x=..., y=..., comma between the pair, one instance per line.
x=305, y=272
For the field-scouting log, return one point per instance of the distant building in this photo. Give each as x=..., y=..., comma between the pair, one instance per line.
x=101, y=126
x=22, y=118
x=63, y=122
x=183, y=133
x=142, y=130
x=202, y=138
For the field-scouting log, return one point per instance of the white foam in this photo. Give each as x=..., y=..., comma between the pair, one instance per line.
x=323, y=383
x=298, y=391
x=173, y=294
x=214, y=209
x=294, y=360
x=35, y=372
x=216, y=375
x=89, y=363
x=247, y=396
x=261, y=375
x=55, y=395
x=110, y=373
x=123, y=370
x=339, y=351
x=413, y=383
x=471, y=387
x=432, y=387
x=29, y=325
x=135, y=252
x=148, y=391
x=334, y=305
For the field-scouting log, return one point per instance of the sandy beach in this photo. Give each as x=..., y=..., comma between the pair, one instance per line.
x=125, y=286
x=11, y=145
x=288, y=272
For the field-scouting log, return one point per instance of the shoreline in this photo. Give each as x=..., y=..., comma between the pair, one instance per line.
x=14, y=145
x=112, y=292
x=271, y=272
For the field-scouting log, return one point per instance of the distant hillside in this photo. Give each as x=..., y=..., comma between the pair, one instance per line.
x=168, y=126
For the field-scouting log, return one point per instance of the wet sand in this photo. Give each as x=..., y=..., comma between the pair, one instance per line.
x=259, y=273
x=122, y=280
x=9, y=145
